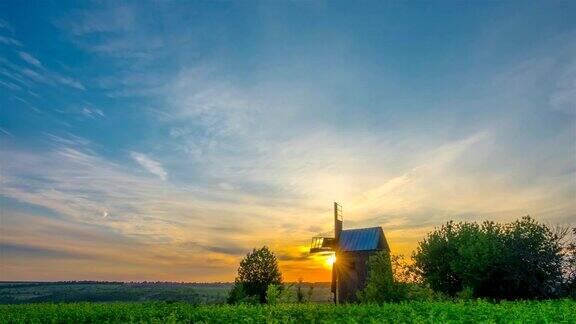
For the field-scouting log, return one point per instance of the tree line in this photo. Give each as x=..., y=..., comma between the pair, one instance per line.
x=523, y=259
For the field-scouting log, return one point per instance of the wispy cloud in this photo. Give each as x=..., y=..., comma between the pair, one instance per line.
x=9, y=41
x=29, y=59
x=70, y=82
x=80, y=186
x=5, y=132
x=12, y=250
x=92, y=112
x=35, y=72
x=563, y=95
x=101, y=20
x=10, y=85
x=78, y=249
x=230, y=145
x=48, y=77
x=5, y=25
x=35, y=76
x=150, y=165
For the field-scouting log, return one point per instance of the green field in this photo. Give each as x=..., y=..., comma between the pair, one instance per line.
x=31, y=302
x=413, y=312
x=58, y=292
x=191, y=293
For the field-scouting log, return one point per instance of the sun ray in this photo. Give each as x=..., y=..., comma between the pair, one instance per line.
x=329, y=262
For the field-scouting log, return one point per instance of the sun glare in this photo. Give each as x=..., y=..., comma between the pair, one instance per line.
x=330, y=260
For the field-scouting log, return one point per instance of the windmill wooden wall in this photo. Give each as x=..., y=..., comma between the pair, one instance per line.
x=352, y=272
x=352, y=266
x=353, y=247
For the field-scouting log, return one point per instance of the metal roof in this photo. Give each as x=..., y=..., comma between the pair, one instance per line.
x=361, y=239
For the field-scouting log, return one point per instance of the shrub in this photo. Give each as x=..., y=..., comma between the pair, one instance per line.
x=511, y=261
x=466, y=294
x=423, y=293
x=237, y=294
x=258, y=270
x=380, y=285
x=273, y=294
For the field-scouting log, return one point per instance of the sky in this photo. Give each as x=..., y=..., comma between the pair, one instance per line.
x=163, y=140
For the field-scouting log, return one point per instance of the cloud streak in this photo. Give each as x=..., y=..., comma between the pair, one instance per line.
x=9, y=41
x=150, y=165
x=28, y=58
x=181, y=144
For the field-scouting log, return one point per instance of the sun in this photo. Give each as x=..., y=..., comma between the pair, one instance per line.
x=330, y=260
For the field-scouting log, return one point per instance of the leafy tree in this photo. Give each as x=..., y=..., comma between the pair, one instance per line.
x=570, y=268
x=511, y=261
x=533, y=264
x=433, y=257
x=403, y=270
x=258, y=270
x=380, y=285
x=237, y=294
x=567, y=237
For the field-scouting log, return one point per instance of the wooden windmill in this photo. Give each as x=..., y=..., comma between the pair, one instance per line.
x=352, y=249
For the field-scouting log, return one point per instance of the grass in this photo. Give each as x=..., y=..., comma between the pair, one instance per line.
x=559, y=311
x=108, y=292
x=192, y=293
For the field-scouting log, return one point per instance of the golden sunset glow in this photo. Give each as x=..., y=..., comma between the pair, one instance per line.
x=330, y=260
x=157, y=147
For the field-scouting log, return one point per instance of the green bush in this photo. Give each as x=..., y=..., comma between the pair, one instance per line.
x=380, y=285
x=237, y=294
x=257, y=271
x=466, y=294
x=273, y=294
x=519, y=260
x=423, y=293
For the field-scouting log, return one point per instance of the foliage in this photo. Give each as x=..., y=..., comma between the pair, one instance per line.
x=258, y=270
x=404, y=271
x=423, y=293
x=511, y=261
x=238, y=295
x=570, y=265
x=567, y=237
x=466, y=294
x=273, y=294
x=559, y=311
x=279, y=294
x=380, y=285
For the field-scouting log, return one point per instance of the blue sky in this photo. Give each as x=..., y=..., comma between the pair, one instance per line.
x=163, y=140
